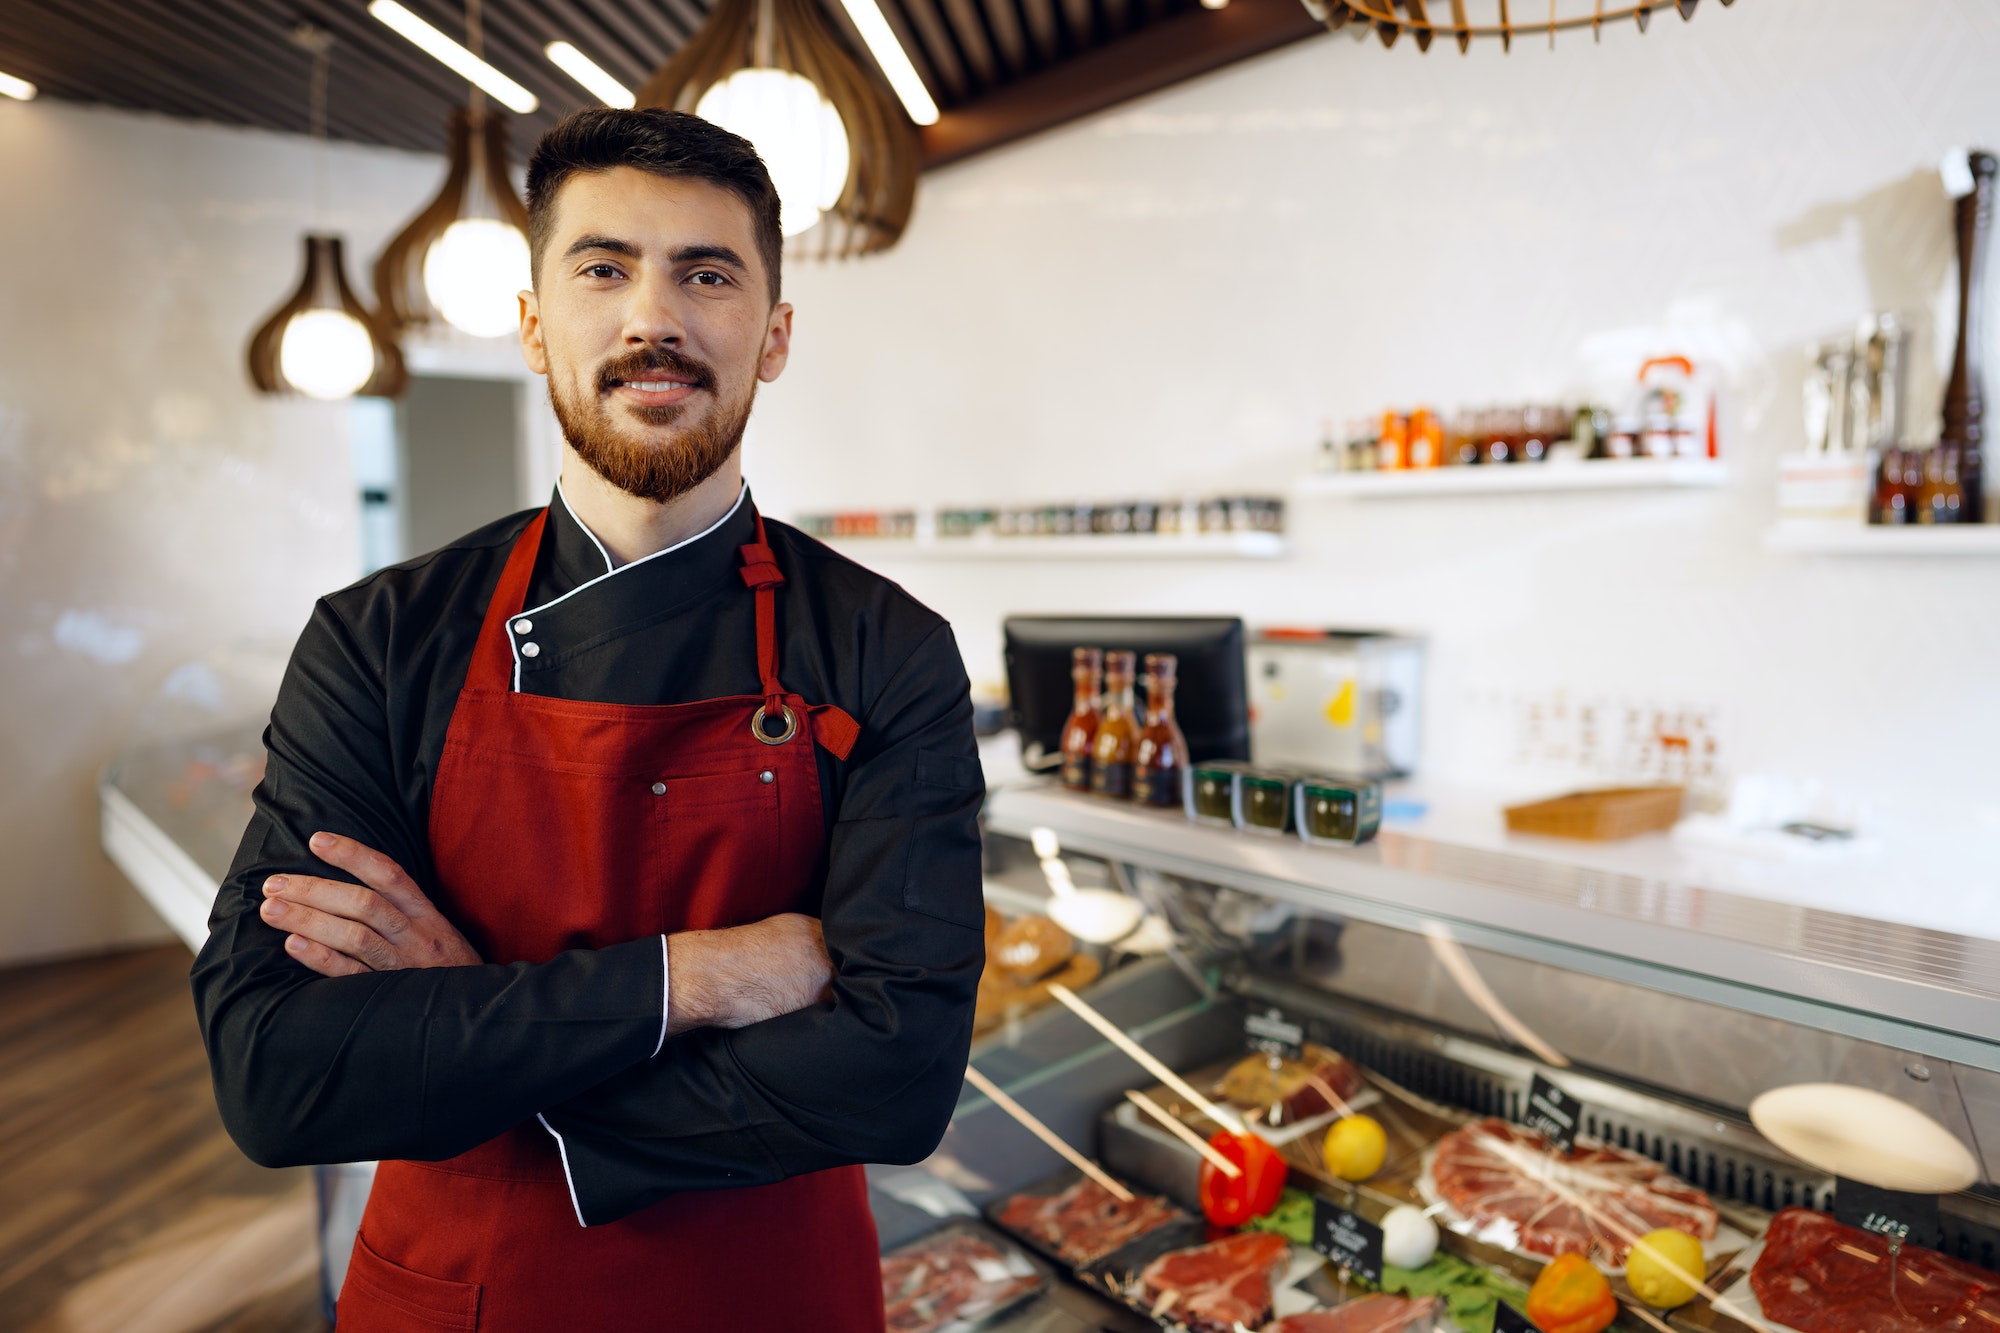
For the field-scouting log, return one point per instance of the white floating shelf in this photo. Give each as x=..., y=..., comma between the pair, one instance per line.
x=1106, y=546
x=1625, y=474
x=1862, y=539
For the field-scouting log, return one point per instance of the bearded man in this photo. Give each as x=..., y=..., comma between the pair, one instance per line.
x=615, y=871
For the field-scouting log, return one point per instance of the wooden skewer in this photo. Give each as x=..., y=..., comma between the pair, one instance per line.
x=1227, y=1119
x=1034, y=1126
x=1186, y=1135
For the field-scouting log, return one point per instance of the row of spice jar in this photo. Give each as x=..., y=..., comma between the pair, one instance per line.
x=1217, y=513
x=1939, y=483
x=1420, y=439
x=1279, y=801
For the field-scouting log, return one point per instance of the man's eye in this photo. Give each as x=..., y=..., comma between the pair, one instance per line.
x=600, y=271
x=708, y=277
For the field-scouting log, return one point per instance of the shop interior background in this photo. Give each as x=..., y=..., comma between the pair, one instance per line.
x=1167, y=297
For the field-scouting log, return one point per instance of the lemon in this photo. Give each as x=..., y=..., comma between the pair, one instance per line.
x=1661, y=1265
x=1355, y=1147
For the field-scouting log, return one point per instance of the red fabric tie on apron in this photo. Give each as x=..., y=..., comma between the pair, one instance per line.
x=558, y=824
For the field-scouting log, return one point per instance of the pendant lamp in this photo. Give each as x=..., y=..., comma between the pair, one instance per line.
x=322, y=342
x=841, y=150
x=463, y=259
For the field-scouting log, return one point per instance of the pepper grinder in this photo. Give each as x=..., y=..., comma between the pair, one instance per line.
x=1964, y=396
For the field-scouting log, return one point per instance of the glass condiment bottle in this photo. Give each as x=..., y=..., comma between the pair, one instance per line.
x=1117, y=741
x=1392, y=446
x=1086, y=669
x=1160, y=761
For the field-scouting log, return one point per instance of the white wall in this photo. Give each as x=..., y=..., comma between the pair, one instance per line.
x=151, y=505
x=1174, y=294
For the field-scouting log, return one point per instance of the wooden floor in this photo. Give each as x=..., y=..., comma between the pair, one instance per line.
x=124, y=1208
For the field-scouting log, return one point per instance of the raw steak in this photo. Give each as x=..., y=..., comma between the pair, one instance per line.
x=1086, y=1221
x=1219, y=1285
x=1592, y=1200
x=1370, y=1314
x=952, y=1276
x=1818, y=1276
x=1293, y=1090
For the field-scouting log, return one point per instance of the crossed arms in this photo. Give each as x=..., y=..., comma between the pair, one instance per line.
x=790, y=1051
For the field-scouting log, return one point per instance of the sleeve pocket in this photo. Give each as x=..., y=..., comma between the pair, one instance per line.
x=954, y=772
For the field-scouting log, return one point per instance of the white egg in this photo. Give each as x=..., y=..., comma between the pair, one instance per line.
x=1096, y=915
x=1409, y=1239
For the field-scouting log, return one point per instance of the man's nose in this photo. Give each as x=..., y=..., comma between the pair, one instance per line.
x=654, y=318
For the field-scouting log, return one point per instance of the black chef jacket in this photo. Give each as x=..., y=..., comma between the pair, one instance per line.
x=427, y=1063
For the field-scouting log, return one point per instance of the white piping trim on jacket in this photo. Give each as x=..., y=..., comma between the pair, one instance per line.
x=563, y=1149
x=609, y=564
x=666, y=994
x=515, y=648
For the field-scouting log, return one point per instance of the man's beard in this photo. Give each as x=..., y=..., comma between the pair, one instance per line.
x=662, y=470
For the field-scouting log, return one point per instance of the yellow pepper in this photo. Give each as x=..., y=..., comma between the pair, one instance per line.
x=1571, y=1296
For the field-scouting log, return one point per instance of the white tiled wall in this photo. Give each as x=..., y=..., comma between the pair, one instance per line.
x=1174, y=294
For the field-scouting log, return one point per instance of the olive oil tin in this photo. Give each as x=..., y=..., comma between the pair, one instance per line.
x=1342, y=811
x=1264, y=800
x=1210, y=794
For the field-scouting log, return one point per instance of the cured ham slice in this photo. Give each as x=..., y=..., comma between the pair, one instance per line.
x=1372, y=1314
x=952, y=1276
x=1593, y=1200
x=1818, y=1276
x=1217, y=1286
x=1085, y=1222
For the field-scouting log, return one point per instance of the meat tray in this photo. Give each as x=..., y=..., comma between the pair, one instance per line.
x=1177, y=1226
x=957, y=1279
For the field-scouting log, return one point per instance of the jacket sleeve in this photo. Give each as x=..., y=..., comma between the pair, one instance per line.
x=874, y=1074
x=423, y=1063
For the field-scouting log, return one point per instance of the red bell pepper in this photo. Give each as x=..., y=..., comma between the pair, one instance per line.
x=1571, y=1296
x=1230, y=1202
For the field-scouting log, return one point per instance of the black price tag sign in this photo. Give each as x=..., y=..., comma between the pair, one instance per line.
x=1274, y=1034
x=1506, y=1319
x=1913, y=1218
x=1350, y=1242
x=1553, y=1112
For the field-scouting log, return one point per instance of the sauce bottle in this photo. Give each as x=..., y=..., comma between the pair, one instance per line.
x=1117, y=731
x=1161, y=757
x=1086, y=669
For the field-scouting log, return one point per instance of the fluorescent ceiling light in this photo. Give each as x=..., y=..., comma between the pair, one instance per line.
x=20, y=89
x=474, y=70
x=895, y=62
x=588, y=73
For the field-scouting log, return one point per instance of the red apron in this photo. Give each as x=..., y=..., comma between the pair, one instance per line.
x=563, y=825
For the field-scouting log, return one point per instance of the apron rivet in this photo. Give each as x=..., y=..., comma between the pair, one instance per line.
x=659, y=789
x=767, y=776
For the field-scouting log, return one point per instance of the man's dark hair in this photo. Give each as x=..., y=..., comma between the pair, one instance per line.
x=674, y=144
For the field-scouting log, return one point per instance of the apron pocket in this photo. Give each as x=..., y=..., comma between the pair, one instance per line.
x=723, y=849
x=384, y=1297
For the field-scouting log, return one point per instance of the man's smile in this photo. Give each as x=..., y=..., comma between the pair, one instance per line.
x=659, y=391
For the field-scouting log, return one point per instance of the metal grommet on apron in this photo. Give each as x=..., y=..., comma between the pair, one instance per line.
x=534, y=792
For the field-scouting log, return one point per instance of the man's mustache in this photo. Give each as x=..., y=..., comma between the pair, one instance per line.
x=639, y=365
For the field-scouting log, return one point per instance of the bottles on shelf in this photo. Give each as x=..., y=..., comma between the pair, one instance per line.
x=1117, y=742
x=1161, y=760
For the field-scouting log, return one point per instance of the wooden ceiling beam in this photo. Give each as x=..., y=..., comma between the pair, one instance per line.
x=1145, y=61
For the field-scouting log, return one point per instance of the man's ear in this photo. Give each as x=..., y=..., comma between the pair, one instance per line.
x=532, y=349
x=777, y=343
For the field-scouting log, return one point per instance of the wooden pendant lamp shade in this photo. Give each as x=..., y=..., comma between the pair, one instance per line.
x=477, y=142
x=1463, y=20
x=873, y=209
x=324, y=286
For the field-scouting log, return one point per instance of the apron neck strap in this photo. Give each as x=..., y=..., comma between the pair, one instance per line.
x=761, y=573
x=493, y=657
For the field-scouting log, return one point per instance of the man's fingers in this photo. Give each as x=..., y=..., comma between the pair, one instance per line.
x=338, y=933
x=327, y=962
x=375, y=870
x=338, y=898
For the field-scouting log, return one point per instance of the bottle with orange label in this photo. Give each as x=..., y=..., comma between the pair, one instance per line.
x=1117, y=731
x=1425, y=446
x=1392, y=447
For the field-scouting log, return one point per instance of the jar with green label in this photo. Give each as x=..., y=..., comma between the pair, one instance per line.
x=1337, y=810
x=1211, y=792
x=1264, y=800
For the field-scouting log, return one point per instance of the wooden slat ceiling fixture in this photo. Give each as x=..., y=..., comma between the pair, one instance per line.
x=998, y=69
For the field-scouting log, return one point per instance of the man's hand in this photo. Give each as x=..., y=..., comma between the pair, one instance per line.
x=382, y=924
x=746, y=974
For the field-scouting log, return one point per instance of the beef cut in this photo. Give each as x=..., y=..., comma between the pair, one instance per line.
x=1370, y=1314
x=1292, y=1090
x=1592, y=1200
x=1086, y=1221
x=1818, y=1276
x=1219, y=1285
x=951, y=1277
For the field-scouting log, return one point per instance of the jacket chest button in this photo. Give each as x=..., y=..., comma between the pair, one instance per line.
x=659, y=789
x=767, y=776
